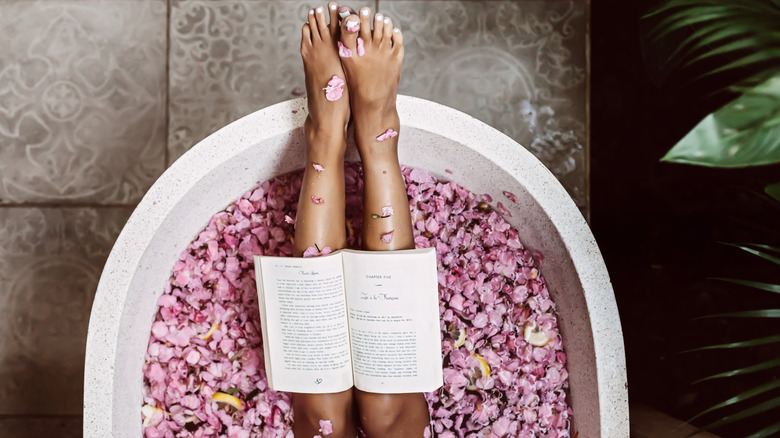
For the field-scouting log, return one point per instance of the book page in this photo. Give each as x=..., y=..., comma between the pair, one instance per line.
x=393, y=303
x=304, y=318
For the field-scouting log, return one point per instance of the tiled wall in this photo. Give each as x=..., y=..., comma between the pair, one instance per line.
x=98, y=97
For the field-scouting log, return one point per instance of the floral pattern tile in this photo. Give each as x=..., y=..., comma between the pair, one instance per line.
x=519, y=66
x=50, y=263
x=82, y=100
x=229, y=58
x=41, y=427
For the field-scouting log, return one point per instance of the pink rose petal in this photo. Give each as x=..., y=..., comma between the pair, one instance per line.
x=326, y=427
x=511, y=196
x=353, y=25
x=318, y=167
x=316, y=200
x=387, y=237
x=344, y=51
x=387, y=134
x=360, y=49
x=334, y=90
x=387, y=211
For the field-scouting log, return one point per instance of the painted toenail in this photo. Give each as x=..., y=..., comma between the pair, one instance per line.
x=319, y=9
x=396, y=30
x=344, y=14
x=311, y=12
x=378, y=17
x=387, y=21
x=364, y=12
x=352, y=25
x=333, y=7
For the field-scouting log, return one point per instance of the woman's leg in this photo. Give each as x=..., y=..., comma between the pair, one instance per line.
x=320, y=220
x=373, y=85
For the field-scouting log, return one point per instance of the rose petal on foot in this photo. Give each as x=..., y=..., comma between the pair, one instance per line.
x=335, y=89
x=360, y=49
x=387, y=237
x=390, y=133
x=344, y=51
x=317, y=167
x=387, y=211
x=353, y=25
x=316, y=200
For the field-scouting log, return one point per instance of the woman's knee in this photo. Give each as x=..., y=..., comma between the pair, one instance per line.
x=388, y=415
x=333, y=410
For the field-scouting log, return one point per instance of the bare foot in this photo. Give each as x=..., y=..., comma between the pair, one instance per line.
x=328, y=96
x=372, y=59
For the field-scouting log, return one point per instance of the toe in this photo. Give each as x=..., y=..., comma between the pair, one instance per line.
x=387, y=33
x=378, y=28
x=365, y=23
x=322, y=22
x=349, y=32
x=346, y=11
x=305, y=37
x=315, y=30
x=333, y=17
x=398, y=40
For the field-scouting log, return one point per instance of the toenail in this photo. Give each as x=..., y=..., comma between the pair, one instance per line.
x=319, y=9
x=396, y=30
x=333, y=7
x=344, y=14
x=352, y=25
x=364, y=12
x=378, y=17
x=311, y=12
x=387, y=20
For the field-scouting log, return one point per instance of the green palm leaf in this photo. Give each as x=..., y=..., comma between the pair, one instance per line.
x=744, y=33
x=761, y=254
x=773, y=190
x=744, y=132
x=751, y=343
x=767, y=431
x=774, y=363
x=758, y=390
x=769, y=287
x=766, y=247
x=747, y=413
x=762, y=313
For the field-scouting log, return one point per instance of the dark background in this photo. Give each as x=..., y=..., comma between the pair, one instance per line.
x=658, y=226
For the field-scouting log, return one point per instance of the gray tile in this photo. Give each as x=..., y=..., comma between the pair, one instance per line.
x=82, y=100
x=519, y=66
x=50, y=263
x=41, y=427
x=229, y=58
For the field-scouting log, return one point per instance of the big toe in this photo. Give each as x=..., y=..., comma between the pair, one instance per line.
x=349, y=33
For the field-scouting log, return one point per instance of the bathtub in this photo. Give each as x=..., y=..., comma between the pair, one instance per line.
x=270, y=142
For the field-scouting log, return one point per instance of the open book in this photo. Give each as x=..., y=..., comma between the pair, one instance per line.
x=363, y=318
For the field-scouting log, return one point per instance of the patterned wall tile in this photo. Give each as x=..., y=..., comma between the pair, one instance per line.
x=82, y=99
x=50, y=263
x=41, y=427
x=229, y=58
x=519, y=66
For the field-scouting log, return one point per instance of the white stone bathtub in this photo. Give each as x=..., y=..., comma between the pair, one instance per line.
x=270, y=142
